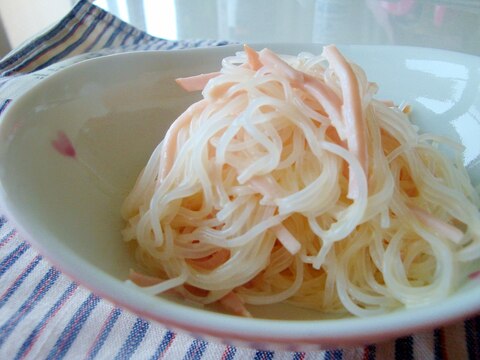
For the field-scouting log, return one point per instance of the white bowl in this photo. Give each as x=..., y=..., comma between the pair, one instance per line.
x=116, y=109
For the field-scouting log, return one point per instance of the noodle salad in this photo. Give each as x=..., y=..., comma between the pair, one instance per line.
x=290, y=182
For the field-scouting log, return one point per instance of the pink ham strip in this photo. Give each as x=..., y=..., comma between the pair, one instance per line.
x=170, y=140
x=353, y=128
x=328, y=99
x=269, y=58
x=450, y=231
x=233, y=303
x=230, y=302
x=319, y=90
x=356, y=132
x=287, y=239
x=252, y=58
x=196, y=82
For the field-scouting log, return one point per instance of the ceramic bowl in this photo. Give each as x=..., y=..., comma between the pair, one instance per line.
x=72, y=147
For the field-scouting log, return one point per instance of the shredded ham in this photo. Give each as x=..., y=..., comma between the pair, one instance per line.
x=230, y=302
x=218, y=91
x=196, y=82
x=170, y=140
x=441, y=227
x=319, y=90
x=269, y=58
x=252, y=58
x=330, y=101
x=355, y=127
x=233, y=303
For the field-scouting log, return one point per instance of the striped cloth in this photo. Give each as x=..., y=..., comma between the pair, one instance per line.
x=45, y=315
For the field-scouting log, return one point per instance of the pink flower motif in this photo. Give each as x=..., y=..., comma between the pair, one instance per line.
x=63, y=145
x=474, y=275
x=398, y=8
x=439, y=14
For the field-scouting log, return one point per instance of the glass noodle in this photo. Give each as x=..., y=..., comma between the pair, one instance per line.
x=289, y=181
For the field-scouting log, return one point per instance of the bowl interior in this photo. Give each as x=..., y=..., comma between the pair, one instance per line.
x=115, y=110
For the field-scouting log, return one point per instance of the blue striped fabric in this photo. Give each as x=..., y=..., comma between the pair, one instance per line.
x=196, y=350
x=298, y=356
x=3, y=106
x=29, y=304
x=12, y=257
x=439, y=340
x=135, y=337
x=229, y=353
x=33, y=336
x=164, y=345
x=336, y=354
x=404, y=348
x=264, y=355
x=73, y=328
x=44, y=315
x=369, y=352
x=472, y=328
x=104, y=333
x=19, y=280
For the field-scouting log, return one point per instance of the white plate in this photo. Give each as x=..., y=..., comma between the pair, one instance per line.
x=116, y=109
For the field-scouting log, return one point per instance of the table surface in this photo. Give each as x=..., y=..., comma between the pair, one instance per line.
x=447, y=24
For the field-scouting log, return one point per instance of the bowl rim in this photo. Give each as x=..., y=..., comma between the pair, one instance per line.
x=345, y=331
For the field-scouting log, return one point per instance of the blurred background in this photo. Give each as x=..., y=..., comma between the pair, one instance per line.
x=447, y=24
